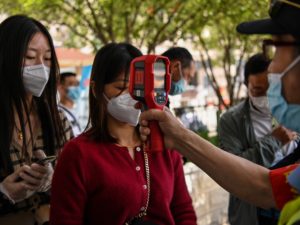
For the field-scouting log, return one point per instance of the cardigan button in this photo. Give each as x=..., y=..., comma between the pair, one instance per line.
x=138, y=149
x=145, y=187
x=137, y=168
x=143, y=208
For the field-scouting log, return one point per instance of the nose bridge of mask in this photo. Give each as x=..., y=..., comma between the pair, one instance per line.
x=124, y=99
x=36, y=70
x=35, y=78
x=122, y=108
x=127, y=100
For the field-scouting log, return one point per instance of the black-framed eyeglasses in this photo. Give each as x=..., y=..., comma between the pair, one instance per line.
x=269, y=46
x=277, y=4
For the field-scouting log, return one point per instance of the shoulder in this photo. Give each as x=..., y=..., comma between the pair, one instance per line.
x=236, y=112
x=66, y=124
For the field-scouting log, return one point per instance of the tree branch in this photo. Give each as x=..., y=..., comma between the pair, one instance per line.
x=98, y=26
x=212, y=77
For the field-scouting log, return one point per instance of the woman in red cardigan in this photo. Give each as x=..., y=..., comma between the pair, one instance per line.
x=104, y=176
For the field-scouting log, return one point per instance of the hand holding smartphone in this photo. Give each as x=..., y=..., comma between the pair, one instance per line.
x=46, y=160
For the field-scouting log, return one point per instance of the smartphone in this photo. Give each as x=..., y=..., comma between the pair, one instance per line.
x=46, y=160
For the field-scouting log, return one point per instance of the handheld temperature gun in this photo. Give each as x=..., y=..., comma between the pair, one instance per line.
x=150, y=84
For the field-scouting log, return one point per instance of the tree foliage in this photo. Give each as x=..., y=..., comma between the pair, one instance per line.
x=220, y=46
x=149, y=23
x=97, y=22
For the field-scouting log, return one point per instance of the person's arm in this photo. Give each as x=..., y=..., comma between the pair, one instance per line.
x=68, y=194
x=241, y=177
x=231, y=140
x=181, y=205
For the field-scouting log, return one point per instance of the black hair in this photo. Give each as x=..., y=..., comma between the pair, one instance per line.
x=256, y=64
x=15, y=34
x=110, y=61
x=64, y=75
x=181, y=54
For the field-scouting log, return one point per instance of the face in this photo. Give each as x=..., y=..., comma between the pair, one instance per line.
x=189, y=72
x=284, y=56
x=258, y=84
x=69, y=81
x=178, y=72
x=117, y=87
x=38, y=51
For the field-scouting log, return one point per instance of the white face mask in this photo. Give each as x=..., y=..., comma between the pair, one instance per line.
x=122, y=109
x=260, y=102
x=35, y=78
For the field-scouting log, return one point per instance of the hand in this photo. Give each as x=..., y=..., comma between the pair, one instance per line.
x=170, y=126
x=284, y=135
x=47, y=178
x=17, y=189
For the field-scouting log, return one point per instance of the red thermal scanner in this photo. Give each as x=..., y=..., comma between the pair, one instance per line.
x=150, y=84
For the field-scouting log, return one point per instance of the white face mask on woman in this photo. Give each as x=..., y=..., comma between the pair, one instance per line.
x=122, y=109
x=35, y=78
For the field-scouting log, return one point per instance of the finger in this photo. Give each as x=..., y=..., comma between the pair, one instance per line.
x=144, y=123
x=36, y=173
x=30, y=187
x=30, y=179
x=166, y=109
x=43, y=169
x=143, y=138
x=15, y=176
x=152, y=114
x=39, y=154
x=145, y=131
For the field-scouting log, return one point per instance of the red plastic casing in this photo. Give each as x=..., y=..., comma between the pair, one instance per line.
x=144, y=79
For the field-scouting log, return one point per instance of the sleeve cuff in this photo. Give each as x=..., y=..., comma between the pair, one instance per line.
x=282, y=190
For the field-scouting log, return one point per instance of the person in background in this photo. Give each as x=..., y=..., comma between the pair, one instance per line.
x=247, y=130
x=31, y=127
x=69, y=93
x=279, y=187
x=106, y=176
x=182, y=68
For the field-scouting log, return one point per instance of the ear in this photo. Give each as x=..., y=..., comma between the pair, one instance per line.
x=175, y=70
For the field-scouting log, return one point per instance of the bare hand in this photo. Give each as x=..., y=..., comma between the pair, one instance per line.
x=170, y=126
x=284, y=135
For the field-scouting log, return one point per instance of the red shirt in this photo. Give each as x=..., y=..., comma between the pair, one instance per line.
x=100, y=184
x=282, y=190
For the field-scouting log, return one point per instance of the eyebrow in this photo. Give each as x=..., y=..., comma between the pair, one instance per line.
x=33, y=49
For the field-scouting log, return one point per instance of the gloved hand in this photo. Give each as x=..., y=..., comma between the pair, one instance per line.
x=47, y=180
x=23, y=182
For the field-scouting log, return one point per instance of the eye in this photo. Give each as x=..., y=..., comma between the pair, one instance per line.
x=48, y=59
x=30, y=57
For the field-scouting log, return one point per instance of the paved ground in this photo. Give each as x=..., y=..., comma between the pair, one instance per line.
x=209, y=199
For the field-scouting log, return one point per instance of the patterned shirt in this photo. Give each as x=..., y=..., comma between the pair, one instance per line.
x=37, y=199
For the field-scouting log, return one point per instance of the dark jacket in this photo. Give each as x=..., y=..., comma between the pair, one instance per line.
x=236, y=135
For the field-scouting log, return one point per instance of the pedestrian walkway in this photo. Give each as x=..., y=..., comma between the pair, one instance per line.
x=209, y=199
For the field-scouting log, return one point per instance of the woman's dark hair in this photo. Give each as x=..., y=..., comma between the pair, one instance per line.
x=255, y=65
x=110, y=61
x=15, y=35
